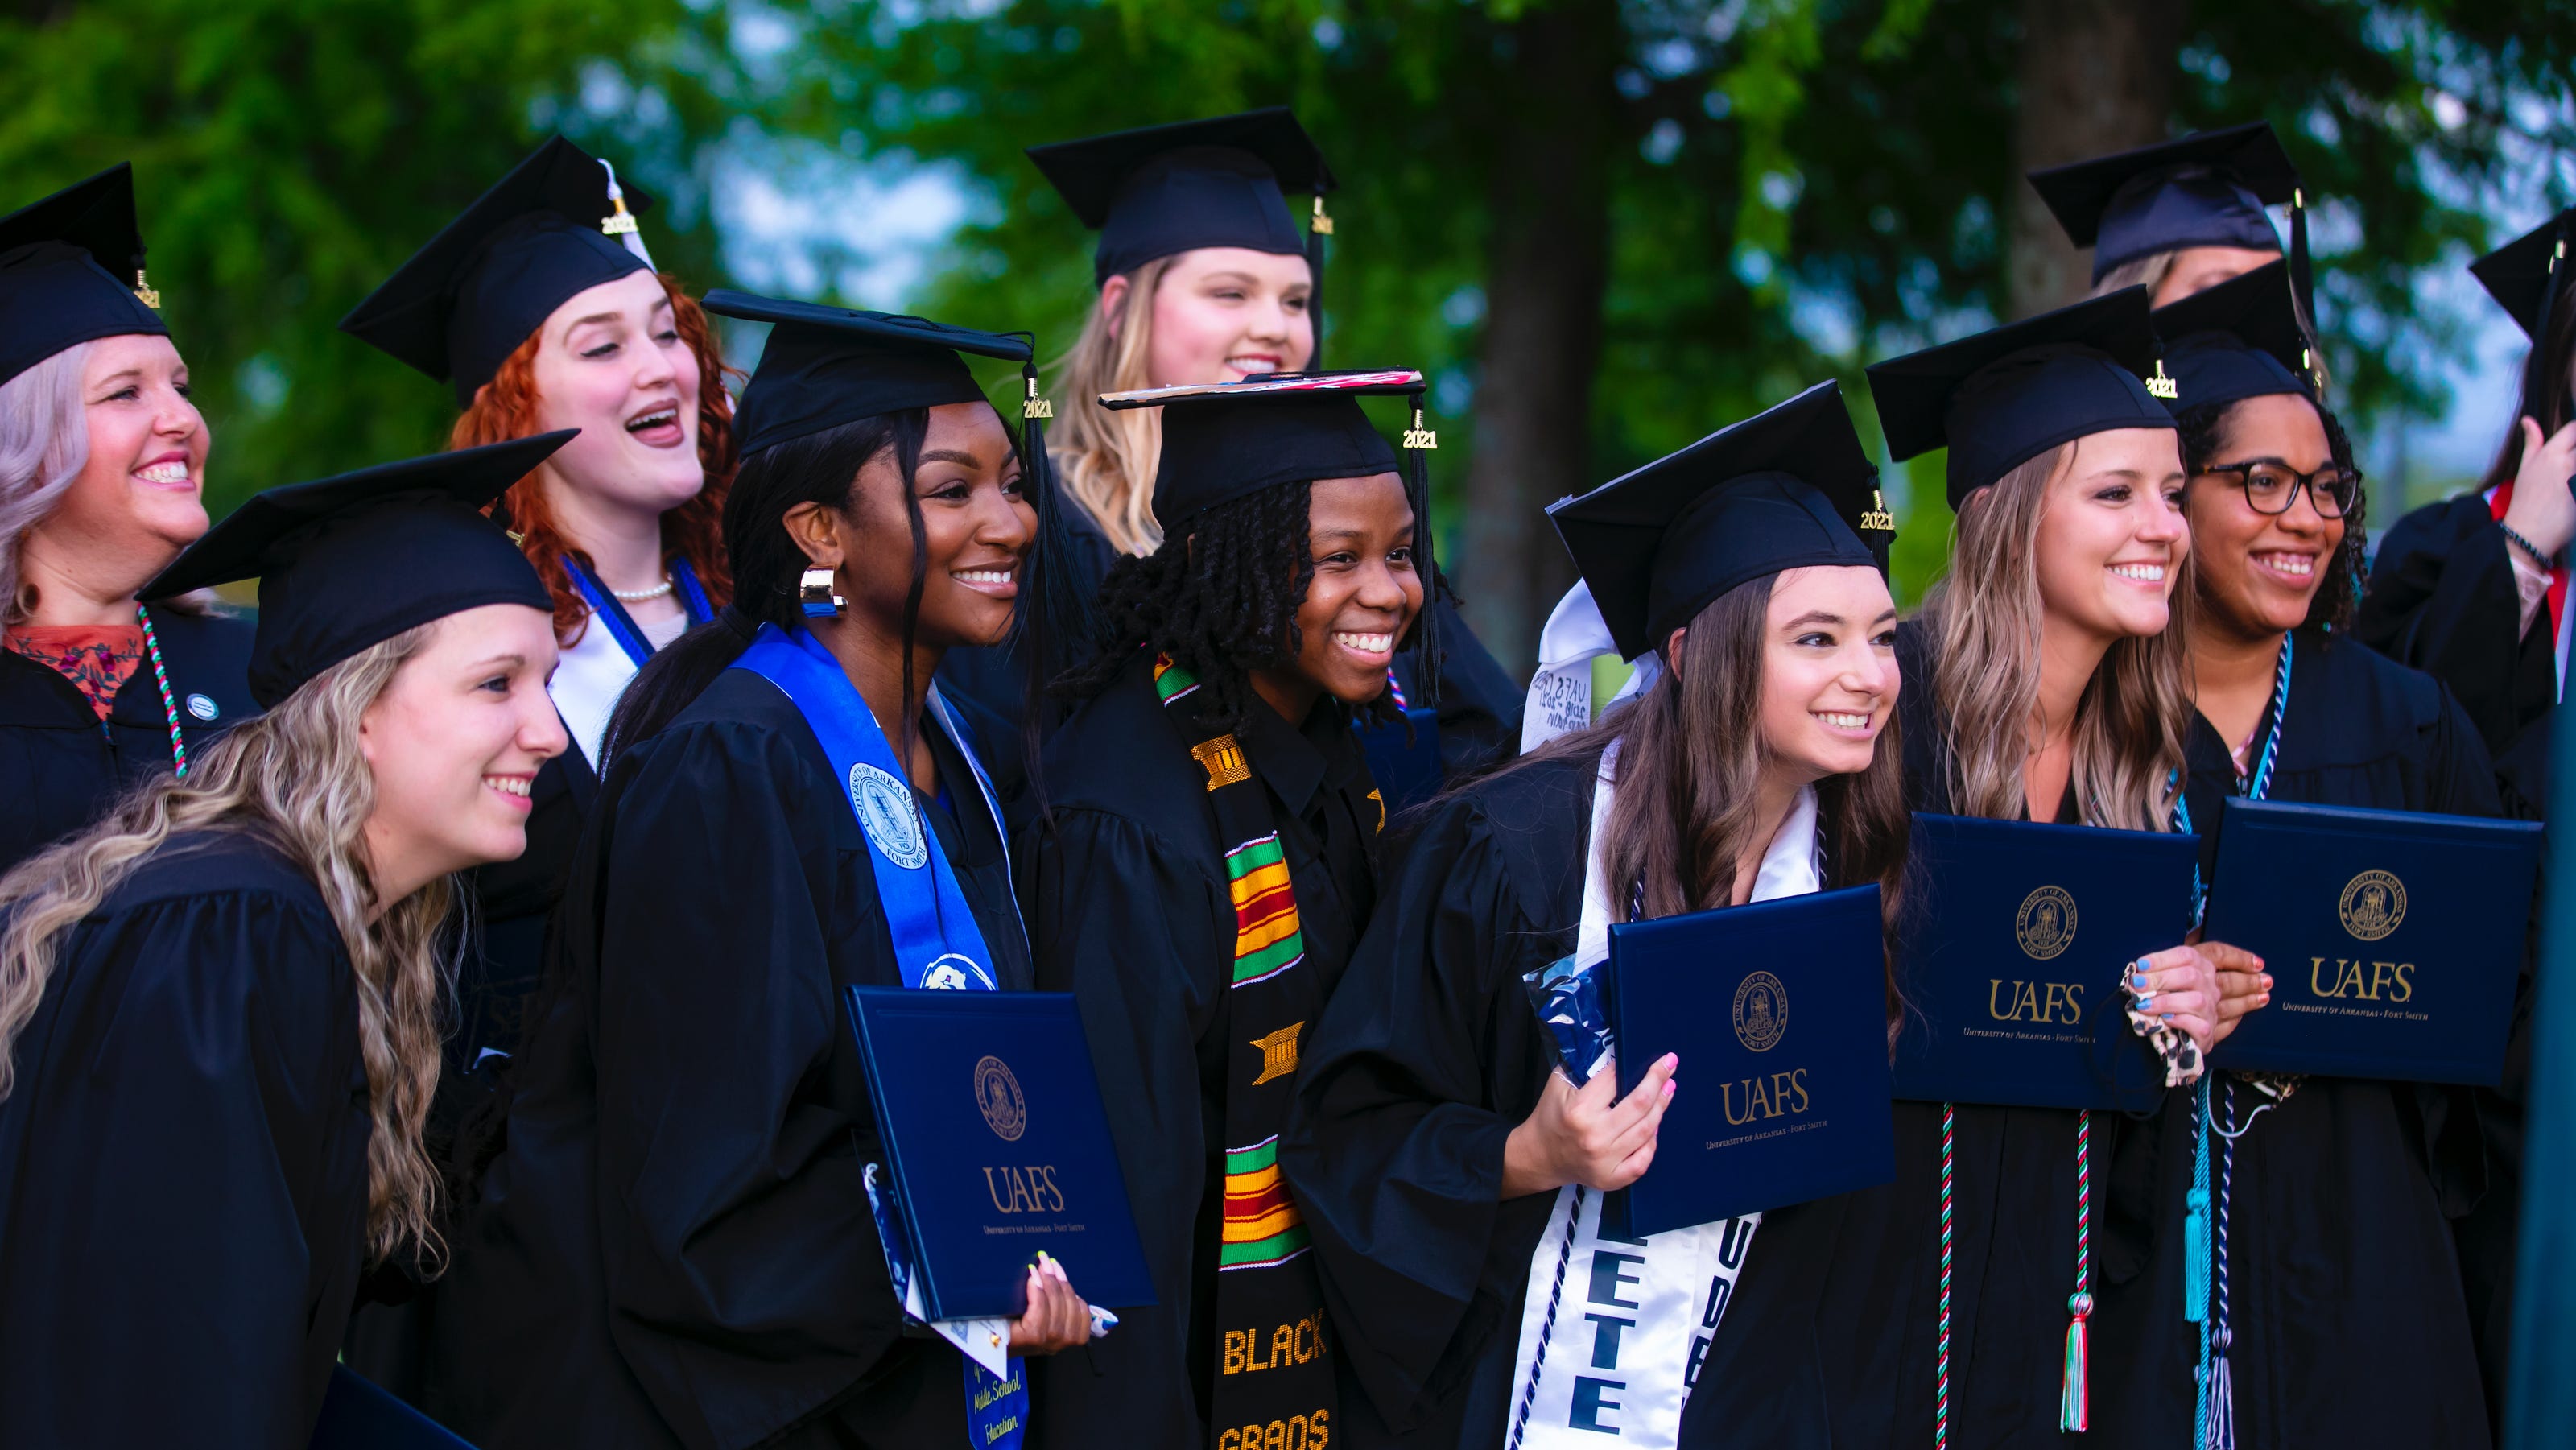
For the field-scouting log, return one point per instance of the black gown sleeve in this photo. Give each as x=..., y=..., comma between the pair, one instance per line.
x=1425, y=1060
x=2442, y=599
x=185, y=1166
x=1124, y=920
x=746, y=1285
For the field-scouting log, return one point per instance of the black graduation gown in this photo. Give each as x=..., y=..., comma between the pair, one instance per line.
x=60, y=766
x=1132, y=911
x=1425, y=1060
x=2347, y=1312
x=183, y=1163
x=674, y=1246
x=2442, y=599
x=1832, y=1337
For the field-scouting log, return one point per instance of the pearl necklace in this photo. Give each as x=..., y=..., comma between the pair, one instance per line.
x=639, y=596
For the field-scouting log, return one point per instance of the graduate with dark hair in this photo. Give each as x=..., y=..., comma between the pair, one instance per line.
x=2339, y=1191
x=1209, y=862
x=1452, y=1176
x=673, y=1243
x=2473, y=590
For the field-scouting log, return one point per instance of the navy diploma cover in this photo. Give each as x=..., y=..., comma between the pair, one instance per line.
x=998, y=1147
x=358, y=1415
x=2394, y=939
x=1404, y=768
x=1779, y=1011
x=2010, y=956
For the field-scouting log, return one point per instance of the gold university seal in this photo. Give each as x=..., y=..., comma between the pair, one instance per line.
x=1761, y=1012
x=997, y=1093
x=2045, y=926
x=2373, y=905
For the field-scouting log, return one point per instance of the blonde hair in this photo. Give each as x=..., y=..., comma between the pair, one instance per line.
x=2149, y=271
x=1106, y=459
x=44, y=444
x=2130, y=721
x=294, y=779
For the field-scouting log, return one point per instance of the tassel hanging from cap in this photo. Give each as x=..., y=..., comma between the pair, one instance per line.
x=1419, y=440
x=2535, y=368
x=620, y=223
x=2161, y=386
x=144, y=293
x=1318, y=227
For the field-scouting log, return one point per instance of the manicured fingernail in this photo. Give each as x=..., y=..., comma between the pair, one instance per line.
x=1671, y=1087
x=2146, y=1000
x=1672, y=1059
x=2267, y=981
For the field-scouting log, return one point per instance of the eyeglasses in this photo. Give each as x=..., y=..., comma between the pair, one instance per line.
x=2271, y=486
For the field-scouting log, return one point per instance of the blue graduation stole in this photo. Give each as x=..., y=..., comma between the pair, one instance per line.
x=936, y=942
x=613, y=617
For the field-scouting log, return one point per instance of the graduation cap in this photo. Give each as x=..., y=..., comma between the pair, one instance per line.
x=826, y=366
x=1227, y=441
x=349, y=562
x=1784, y=489
x=2001, y=398
x=2206, y=190
x=1161, y=190
x=63, y=265
x=2525, y=276
x=2239, y=339
x=556, y=226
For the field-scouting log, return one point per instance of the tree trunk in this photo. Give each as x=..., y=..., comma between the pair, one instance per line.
x=2096, y=77
x=1546, y=267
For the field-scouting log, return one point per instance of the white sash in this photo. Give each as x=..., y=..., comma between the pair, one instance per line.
x=1613, y=1330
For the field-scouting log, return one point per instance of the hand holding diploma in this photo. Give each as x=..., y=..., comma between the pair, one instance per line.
x=1588, y=1135
x=1056, y=1317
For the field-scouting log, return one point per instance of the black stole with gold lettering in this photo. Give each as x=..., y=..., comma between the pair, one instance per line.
x=1274, y=1386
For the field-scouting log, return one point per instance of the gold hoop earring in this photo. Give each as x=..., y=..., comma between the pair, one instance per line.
x=814, y=592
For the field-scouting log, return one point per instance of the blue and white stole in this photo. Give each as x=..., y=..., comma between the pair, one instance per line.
x=936, y=945
x=613, y=617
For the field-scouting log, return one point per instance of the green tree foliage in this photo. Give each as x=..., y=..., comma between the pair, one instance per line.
x=289, y=154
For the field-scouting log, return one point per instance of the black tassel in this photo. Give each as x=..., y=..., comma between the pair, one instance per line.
x=1053, y=624
x=2302, y=267
x=2535, y=368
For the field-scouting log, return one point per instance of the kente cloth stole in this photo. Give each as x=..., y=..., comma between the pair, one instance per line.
x=1274, y=1384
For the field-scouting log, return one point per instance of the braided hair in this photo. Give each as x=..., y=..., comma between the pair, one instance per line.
x=1220, y=598
x=2331, y=608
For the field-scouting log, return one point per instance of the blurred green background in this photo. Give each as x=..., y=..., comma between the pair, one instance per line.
x=1604, y=228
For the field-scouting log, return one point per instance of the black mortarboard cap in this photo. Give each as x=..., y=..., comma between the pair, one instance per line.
x=1225, y=441
x=541, y=235
x=2004, y=397
x=1785, y=489
x=2206, y=190
x=2239, y=339
x=826, y=366
x=64, y=265
x=349, y=562
x=2526, y=276
x=1159, y=190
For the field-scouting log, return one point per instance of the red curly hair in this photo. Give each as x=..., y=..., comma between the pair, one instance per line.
x=506, y=408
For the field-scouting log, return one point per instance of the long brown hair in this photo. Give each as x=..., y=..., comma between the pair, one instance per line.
x=1691, y=755
x=506, y=408
x=293, y=777
x=2554, y=405
x=1106, y=460
x=2130, y=720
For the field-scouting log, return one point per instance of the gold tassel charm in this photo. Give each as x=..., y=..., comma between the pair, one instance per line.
x=1034, y=406
x=1419, y=438
x=2161, y=386
x=619, y=222
x=1321, y=225
x=143, y=292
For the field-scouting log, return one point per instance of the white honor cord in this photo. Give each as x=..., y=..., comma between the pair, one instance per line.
x=1613, y=1331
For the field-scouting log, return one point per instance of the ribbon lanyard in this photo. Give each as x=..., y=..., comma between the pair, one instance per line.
x=621, y=627
x=936, y=941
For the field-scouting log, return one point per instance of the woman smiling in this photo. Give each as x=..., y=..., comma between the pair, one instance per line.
x=102, y=482
x=220, y=1007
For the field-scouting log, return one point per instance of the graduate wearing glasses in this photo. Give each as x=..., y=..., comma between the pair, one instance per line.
x=2341, y=1191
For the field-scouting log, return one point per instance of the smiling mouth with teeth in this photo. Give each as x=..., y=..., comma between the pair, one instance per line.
x=2143, y=573
x=655, y=419
x=2299, y=565
x=163, y=473
x=981, y=576
x=1844, y=720
x=1374, y=644
x=510, y=784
